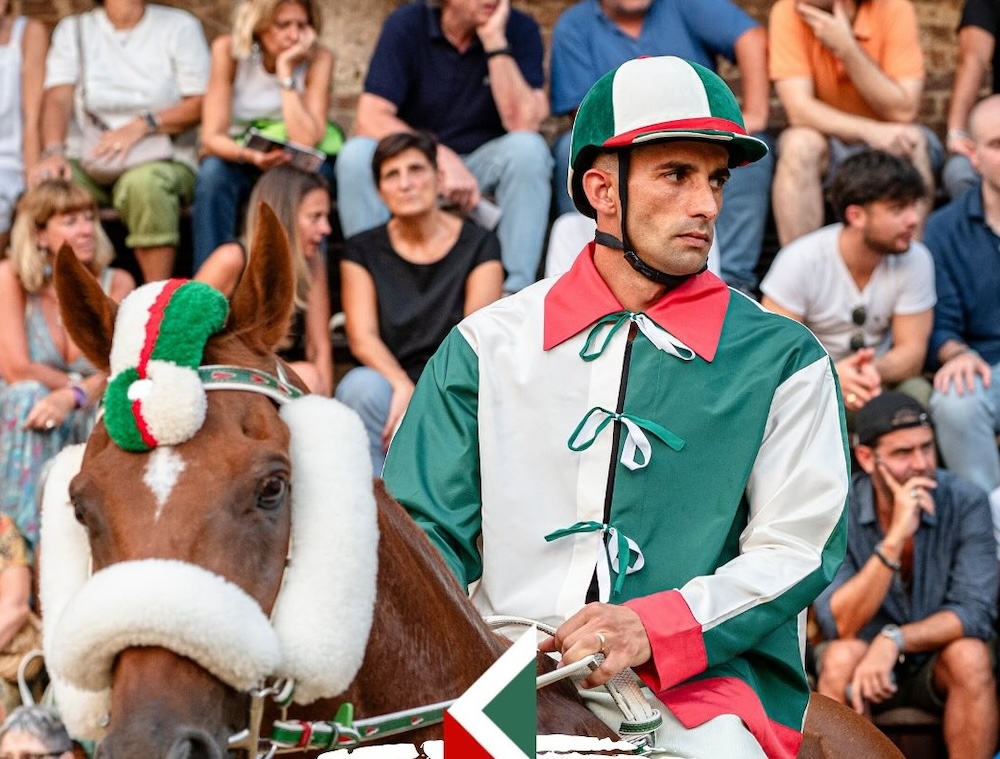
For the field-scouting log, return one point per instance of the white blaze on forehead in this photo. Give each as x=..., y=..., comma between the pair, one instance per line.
x=163, y=469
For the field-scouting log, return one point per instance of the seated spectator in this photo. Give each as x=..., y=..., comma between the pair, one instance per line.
x=19, y=632
x=595, y=36
x=138, y=70
x=301, y=201
x=23, y=43
x=977, y=51
x=849, y=74
x=965, y=343
x=34, y=731
x=406, y=283
x=470, y=73
x=911, y=609
x=48, y=390
x=269, y=73
x=863, y=285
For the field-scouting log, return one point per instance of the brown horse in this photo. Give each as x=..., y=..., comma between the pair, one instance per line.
x=219, y=505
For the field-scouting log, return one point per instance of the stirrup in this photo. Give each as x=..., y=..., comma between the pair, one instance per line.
x=641, y=720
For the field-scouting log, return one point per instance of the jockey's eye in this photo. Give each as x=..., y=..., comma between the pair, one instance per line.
x=272, y=493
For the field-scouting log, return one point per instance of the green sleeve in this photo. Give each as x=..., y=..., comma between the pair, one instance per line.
x=432, y=467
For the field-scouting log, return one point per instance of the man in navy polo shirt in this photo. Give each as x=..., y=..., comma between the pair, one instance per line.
x=470, y=72
x=965, y=343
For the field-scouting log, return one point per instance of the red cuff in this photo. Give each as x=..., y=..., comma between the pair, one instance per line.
x=675, y=638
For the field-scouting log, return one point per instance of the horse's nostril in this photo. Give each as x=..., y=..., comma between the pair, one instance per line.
x=195, y=745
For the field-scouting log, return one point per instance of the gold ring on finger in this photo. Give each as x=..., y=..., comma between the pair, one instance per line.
x=600, y=637
x=851, y=398
x=50, y=423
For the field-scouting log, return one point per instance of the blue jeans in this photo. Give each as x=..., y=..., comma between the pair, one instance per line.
x=515, y=169
x=746, y=201
x=967, y=427
x=958, y=176
x=369, y=394
x=221, y=192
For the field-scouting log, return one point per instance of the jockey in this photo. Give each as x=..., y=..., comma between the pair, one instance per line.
x=635, y=453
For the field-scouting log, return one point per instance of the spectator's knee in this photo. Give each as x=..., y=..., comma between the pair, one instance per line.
x=151, y=184
x=840, y=657
x=953, y=409
x=803, y=149
x=362, y=388
x=526, y=154
x=967, y=661
x=354, y=161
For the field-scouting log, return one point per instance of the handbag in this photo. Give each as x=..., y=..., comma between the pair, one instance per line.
x=106, y=169
x=26, y=640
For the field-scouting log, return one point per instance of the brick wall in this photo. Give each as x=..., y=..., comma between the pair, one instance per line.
x=351, y=28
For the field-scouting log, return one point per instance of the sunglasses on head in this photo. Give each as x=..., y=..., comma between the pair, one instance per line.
x=858, y=316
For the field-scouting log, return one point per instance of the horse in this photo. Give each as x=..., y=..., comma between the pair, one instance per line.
x=187, y=586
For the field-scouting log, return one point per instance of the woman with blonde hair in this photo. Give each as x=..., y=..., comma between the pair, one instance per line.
x=270, y=73
x=301, y=201
x=48, y=390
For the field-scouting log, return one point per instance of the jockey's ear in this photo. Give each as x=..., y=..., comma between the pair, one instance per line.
x=261, y=308
x=87, y=313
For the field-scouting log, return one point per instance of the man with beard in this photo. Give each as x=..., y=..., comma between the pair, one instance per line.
x=911, y=610
x=863, y=285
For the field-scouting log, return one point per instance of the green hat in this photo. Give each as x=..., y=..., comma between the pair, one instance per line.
x=654, y=99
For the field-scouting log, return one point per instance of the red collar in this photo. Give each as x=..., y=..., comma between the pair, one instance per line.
x=693, y=312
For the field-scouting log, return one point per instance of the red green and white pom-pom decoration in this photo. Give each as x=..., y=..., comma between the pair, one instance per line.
x=154, y=394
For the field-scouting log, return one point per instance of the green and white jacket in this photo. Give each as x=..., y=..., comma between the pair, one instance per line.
x=542, y=443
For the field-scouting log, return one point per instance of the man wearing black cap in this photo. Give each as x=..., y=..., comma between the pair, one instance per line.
x=911, y=610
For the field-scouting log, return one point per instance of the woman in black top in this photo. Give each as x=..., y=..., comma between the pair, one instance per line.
x=406, y=284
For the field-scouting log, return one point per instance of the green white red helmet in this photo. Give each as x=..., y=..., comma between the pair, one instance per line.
x=651, y=100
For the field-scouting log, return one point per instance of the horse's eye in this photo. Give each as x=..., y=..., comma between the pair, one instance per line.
x=272, y=493
x=78, y=511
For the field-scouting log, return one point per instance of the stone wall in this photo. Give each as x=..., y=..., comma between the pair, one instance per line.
x=351, y=28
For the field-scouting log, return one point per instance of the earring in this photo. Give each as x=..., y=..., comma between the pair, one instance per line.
x=47, y=266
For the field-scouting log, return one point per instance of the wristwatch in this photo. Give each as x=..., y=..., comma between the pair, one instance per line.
x=152, y=121
x=288, y=83
x=893, y=633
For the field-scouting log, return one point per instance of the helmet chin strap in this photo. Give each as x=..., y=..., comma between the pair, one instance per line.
x=670, y=281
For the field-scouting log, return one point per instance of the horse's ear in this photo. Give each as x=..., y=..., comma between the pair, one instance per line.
x=87, y=313
x=261, y=308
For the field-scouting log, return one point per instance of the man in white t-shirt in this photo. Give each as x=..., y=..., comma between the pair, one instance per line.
x=864, y=286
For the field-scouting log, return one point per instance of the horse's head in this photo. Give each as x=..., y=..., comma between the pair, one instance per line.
x=183, y=508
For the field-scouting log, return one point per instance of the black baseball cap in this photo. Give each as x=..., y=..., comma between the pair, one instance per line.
x=888, y=412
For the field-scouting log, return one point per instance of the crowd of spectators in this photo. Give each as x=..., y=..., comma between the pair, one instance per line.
x=902, y=296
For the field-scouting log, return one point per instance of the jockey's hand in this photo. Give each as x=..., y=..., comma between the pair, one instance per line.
x=873, y=678
x=616, y=631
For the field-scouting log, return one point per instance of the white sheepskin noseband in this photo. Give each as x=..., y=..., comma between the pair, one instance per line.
x=321, y=620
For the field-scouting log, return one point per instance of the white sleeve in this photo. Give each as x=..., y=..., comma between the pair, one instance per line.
x=190, y=55
x=63, y=61
x=787, y=281
x=917, y=293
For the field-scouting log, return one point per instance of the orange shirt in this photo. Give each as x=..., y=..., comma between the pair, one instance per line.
x=886, y=29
